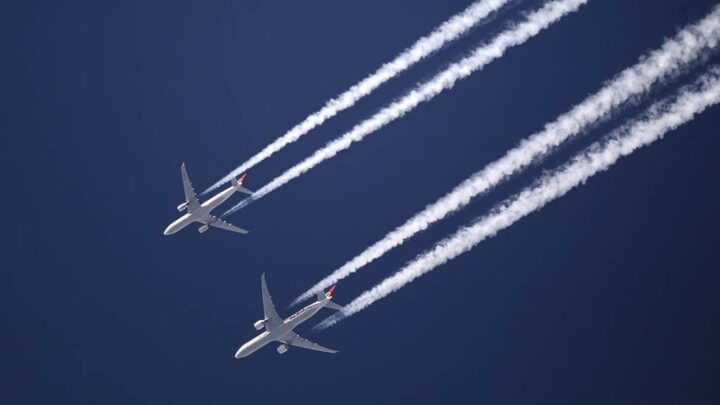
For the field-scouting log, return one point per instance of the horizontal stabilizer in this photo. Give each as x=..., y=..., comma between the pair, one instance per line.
x=238, y=185
x=244, y=190
x=333, y=305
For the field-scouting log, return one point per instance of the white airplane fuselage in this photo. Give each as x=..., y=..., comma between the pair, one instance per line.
x=281, y=330
x=201, y=214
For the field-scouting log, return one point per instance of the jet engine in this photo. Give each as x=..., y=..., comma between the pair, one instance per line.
x=182, y=206
x=259, y=324
x=282, y=349
x=203, y=228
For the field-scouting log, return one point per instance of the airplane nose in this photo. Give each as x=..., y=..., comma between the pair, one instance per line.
x=244, y=350
x=168, y=230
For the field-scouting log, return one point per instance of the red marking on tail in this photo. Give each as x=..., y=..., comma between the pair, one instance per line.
x=329, y=293
x=183, y=164
x=242, y=178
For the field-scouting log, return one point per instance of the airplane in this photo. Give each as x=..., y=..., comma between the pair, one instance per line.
x=197, y=212
x=279, y=330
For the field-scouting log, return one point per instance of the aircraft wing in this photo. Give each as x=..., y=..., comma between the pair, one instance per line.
x=273, y=319
x=219, y=223
x=296, y=340
x=190, y=195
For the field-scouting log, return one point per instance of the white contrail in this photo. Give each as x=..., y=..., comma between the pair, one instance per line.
x=449, y=31
x=674, y=54
x=660, y=119
x=481, y=56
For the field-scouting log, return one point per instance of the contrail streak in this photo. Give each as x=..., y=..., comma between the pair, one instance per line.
x=673, y=55
x=659, y=119
x=447, y=32
x=481, y=56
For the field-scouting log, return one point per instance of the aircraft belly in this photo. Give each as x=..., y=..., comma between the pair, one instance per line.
x=281, y=330
x=301, y=318
x=206, y=218
x=217, y=200
x=285, y=335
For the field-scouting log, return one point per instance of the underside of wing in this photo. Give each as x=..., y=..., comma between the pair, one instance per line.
x=271, y=316
x=190, y=196
x=219, y=223
x=296, y=340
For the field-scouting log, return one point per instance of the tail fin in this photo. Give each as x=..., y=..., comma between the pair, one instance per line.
x=322, y=296
x=238, y=184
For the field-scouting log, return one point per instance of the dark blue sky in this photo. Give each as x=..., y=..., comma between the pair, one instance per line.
x=608, y=295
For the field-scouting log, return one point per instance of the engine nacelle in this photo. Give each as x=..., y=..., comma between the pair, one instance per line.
x=282, y=349
x=203, y=228
x=182, y=206
x=259, y=324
